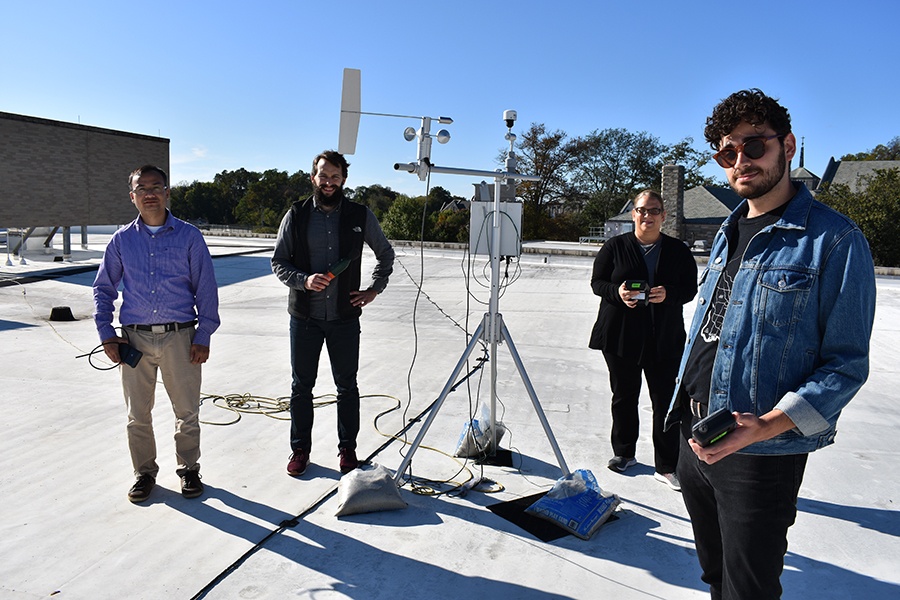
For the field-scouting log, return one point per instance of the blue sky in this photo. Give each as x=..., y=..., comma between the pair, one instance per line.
x=258, y=84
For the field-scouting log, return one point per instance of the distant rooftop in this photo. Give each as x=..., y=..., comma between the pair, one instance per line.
x=848, y=172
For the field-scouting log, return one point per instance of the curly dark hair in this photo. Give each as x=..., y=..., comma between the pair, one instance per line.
x=752, y=106
x=334, y=158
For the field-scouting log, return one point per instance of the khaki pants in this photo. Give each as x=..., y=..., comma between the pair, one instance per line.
x=169, y=354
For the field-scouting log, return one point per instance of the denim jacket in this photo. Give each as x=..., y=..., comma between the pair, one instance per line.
x=796, y=333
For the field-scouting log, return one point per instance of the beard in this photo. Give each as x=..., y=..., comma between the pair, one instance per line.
x=765, y=184
x=328, y=201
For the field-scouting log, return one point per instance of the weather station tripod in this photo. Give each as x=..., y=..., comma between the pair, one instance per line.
x=492, y=330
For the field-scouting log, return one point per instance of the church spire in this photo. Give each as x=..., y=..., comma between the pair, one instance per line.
x=802, y=144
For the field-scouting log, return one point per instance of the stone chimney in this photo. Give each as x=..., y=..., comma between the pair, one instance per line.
x=673, y=199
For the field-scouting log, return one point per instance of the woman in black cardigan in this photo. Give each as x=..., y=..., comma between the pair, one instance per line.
x=643, y=334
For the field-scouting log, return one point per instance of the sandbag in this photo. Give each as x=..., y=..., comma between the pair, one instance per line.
x=576, y=503
x=370, y=488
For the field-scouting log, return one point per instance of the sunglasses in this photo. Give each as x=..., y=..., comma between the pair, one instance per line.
x=753, y=148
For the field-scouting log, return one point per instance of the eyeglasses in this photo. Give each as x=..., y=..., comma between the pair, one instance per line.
x=156, y=190
x=752, y=148
x=648, y=211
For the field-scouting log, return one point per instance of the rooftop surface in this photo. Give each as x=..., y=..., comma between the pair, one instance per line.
x=68, y=530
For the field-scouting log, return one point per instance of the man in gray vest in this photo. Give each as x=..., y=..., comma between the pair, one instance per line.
x=318, y=256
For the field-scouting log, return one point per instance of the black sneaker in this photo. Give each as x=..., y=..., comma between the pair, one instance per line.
x=621, y=463
x=141, y=489
x=190, y=484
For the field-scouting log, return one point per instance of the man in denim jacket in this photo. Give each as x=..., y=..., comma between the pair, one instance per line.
x=780, y=338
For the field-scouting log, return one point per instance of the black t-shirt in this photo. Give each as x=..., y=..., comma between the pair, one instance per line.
x=698, y=370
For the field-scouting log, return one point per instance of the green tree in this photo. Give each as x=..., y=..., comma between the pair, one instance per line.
x=256, y=206
x=448, y=218
x=201, y=200
x=268, y=198
x=683, y=153
x=550, y=156
x=891, y=151
x=423, y=217
x=596, y=211
x=404, y=219
x=233, y=185
x=613, y=165
x=300, y=187
x=177, y=203
x=874, y=210
x=438, y=198
x=451, y=226
x=377, y=197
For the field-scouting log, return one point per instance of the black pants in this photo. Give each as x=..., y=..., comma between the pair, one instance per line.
x=625, y=382
x=741, y=508
x=341, y=338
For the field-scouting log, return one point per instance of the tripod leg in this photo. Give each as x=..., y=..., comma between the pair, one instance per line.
x=476, y=337
x=534, y=399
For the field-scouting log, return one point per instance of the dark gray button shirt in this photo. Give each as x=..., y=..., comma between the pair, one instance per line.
x=324, y=250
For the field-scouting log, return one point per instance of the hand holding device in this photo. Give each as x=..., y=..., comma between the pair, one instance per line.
x=713, y=427
x=643, y=289
x=129, y=355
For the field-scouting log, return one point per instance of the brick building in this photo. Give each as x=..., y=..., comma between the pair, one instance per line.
x=56, y=174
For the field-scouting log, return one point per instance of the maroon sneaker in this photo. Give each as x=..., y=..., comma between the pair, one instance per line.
x=298, y=463
x=348, y=459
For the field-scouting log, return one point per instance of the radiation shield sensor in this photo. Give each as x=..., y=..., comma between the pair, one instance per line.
x=481, y=229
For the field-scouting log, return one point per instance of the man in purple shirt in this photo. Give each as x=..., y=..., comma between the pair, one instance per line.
x=170, y=309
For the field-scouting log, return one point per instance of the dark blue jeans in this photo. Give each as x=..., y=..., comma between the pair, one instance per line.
x=341, y=338
x=741, y=509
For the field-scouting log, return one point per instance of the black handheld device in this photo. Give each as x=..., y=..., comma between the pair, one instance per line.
x=129, y=355
x=713, y=427
x=642, y=287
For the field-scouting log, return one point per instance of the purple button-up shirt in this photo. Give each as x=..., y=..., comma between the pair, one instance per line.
x=166, y=275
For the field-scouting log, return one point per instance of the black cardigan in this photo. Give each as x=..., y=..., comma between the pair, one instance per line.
x=644, y=333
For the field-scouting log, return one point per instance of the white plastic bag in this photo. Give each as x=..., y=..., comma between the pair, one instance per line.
x=475, y=438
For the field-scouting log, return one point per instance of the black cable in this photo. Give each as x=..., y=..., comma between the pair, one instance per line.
x=427, y=486
x=98, y=349
x=507, y=280
x=435, y=304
